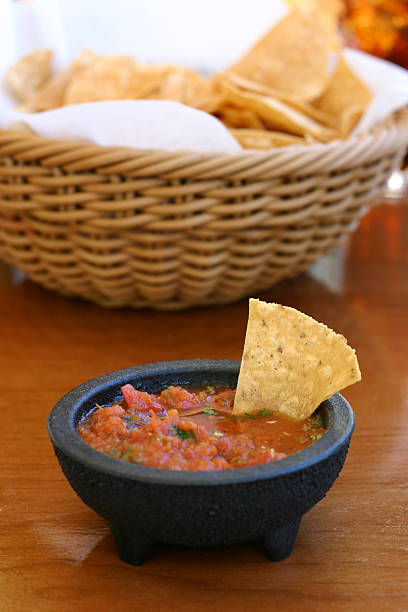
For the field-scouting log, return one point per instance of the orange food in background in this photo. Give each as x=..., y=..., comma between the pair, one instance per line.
x=379, y=27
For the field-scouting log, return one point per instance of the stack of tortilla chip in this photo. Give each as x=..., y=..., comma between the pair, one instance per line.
x=281, y=92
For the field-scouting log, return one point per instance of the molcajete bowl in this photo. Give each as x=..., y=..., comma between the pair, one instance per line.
x=144, y=505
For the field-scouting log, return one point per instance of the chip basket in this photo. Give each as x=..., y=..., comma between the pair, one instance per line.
x=130, y=228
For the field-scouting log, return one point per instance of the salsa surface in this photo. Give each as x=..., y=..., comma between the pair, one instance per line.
x=184, y=429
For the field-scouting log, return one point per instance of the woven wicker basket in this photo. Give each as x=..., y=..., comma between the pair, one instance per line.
x=124, y=227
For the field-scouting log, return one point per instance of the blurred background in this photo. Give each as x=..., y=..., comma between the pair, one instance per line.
x=379, y=27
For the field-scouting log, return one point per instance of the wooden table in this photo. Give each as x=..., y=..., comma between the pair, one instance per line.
x=352, y=549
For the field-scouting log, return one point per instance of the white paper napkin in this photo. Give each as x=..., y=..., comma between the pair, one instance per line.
x=388, y=83
x=144, y=124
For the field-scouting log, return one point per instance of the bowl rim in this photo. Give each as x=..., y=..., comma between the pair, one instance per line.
x=63, y=434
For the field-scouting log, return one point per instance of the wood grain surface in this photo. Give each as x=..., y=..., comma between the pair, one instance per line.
x=352, y=549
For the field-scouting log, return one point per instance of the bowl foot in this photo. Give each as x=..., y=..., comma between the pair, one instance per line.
x=132, y=547
x=279, y=543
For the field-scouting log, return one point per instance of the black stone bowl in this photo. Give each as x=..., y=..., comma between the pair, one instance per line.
x=145, y=505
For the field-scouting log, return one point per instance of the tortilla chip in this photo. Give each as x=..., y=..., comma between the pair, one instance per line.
x=101, y=77
x=293, y=56
x=234, y=117
x=344, y=91
x=28, y=74
x=20, y=126
x=197, y=87
x=171, y=86
x=291, y=363
x=349, y=119
x=276, y=114
x=328, y=12
x=50, y=95
x=291, y=100
x=209, y=103
x=264, y=139
x=181, y=84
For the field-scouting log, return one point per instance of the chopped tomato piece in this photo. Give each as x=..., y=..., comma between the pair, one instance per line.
x=130, y=394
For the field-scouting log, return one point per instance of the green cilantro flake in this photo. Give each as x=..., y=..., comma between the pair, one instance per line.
x=248, y=415
x=209, y=388
x=210, y=411
x=264, y=413
x=315, y=437
x=316, y=419
x=127, y=454
x=183, y=434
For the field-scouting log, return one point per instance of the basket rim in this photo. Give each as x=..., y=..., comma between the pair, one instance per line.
x=386, y=139
x=399, y=121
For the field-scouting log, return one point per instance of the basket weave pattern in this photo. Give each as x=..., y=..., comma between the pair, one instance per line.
x=124, y=227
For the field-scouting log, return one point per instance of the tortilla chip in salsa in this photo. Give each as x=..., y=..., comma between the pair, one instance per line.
x=289, y=366
x=291, y=363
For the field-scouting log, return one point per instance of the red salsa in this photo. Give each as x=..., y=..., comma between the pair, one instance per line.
x=185, y=429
